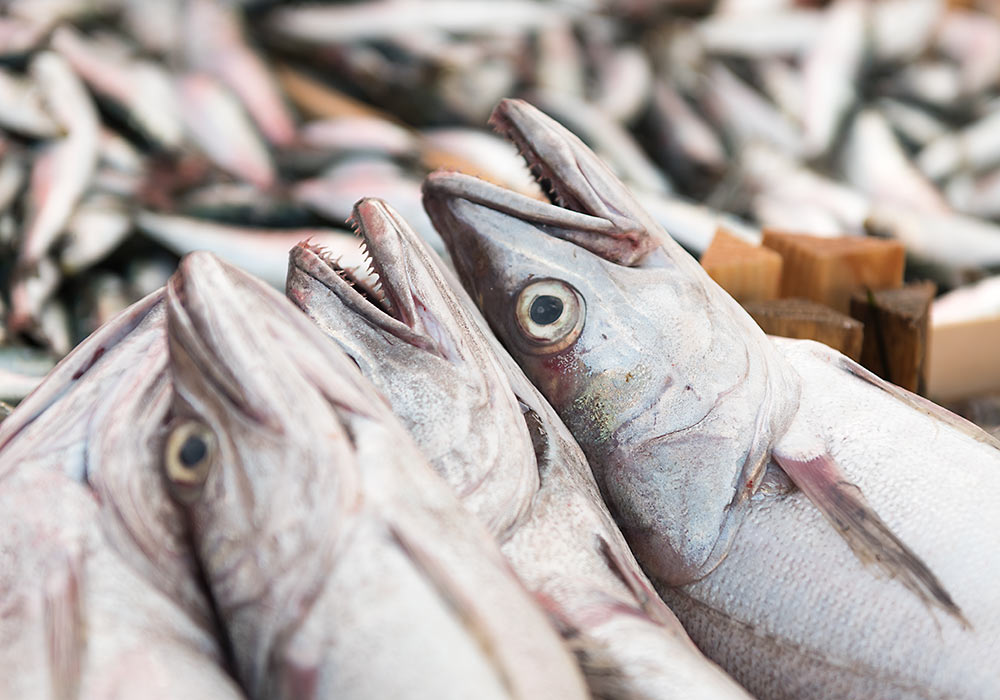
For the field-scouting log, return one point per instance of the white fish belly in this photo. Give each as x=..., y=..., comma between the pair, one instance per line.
x=792, y=613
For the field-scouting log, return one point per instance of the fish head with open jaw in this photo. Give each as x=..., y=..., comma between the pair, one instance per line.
x=671, y=389
x=409, y=335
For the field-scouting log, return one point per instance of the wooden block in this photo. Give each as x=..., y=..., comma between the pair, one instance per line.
x=748, y=272
x=896, y=325
x=962, y=359
x=830, y=270
x=801, y=318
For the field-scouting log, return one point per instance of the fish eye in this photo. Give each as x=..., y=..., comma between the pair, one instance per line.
x=188, y=457
x=550, y=315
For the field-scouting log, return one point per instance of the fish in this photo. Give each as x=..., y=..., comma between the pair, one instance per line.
x=215, y=43
x=975, y=146
x=505, y=453
x=405, y=331
x=767, y=486
x=875, y=164
x=217, y=122
x=387, y=19
x=743, y=115
x=334, y=193
x=689, y=145
x=23, y=110
x=99, y=586
x=340, y=564
x=99, y=225
x=828, y=73
x=141, y=89
x=262, y=252
x=609, y=138
x=61, y=173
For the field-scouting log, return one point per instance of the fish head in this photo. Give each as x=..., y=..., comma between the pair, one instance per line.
x=256, y=454
x=396, y=297
x=406, y=330
x=96, y=421
x=667, y=384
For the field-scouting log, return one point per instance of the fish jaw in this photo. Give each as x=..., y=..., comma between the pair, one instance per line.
x=578, y=180
x=670, y=388
x=388, y=298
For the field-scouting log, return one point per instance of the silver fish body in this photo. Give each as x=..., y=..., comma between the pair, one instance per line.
x=708, y=439
x=341, y=565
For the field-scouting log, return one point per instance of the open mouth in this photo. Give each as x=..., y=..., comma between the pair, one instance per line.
x=380, y=289
x=364, y=280
x=588, y=205
x=552, y=186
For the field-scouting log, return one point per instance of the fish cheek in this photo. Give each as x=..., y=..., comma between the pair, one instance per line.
x=557, y=375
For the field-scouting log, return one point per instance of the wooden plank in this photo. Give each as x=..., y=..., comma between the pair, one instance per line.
x=801, y=318
x=962, y=359
x=830, y=270
x=896, y=327
x=748, y=272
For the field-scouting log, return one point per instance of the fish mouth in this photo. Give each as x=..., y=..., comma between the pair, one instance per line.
x=588, y=206
x=381, y=289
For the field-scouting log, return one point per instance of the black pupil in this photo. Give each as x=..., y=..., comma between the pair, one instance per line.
x=546, y=309
x=193, y=451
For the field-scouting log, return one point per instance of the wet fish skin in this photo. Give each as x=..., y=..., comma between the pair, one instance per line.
x=431, y=355
x=367, y=577
x=793, y=421
x=98, y=583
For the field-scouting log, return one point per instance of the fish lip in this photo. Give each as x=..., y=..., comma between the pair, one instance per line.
x=386, y=236
x=443, y=185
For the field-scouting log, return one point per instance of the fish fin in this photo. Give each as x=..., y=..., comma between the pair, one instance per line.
x=843, y=504
x=919, y=403
x=61, y=603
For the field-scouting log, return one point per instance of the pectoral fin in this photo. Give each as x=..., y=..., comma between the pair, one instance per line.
x=843, y=504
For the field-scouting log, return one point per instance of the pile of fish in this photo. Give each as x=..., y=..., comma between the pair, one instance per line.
x=134, y=131
x=576, y=469
x=505, y=438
